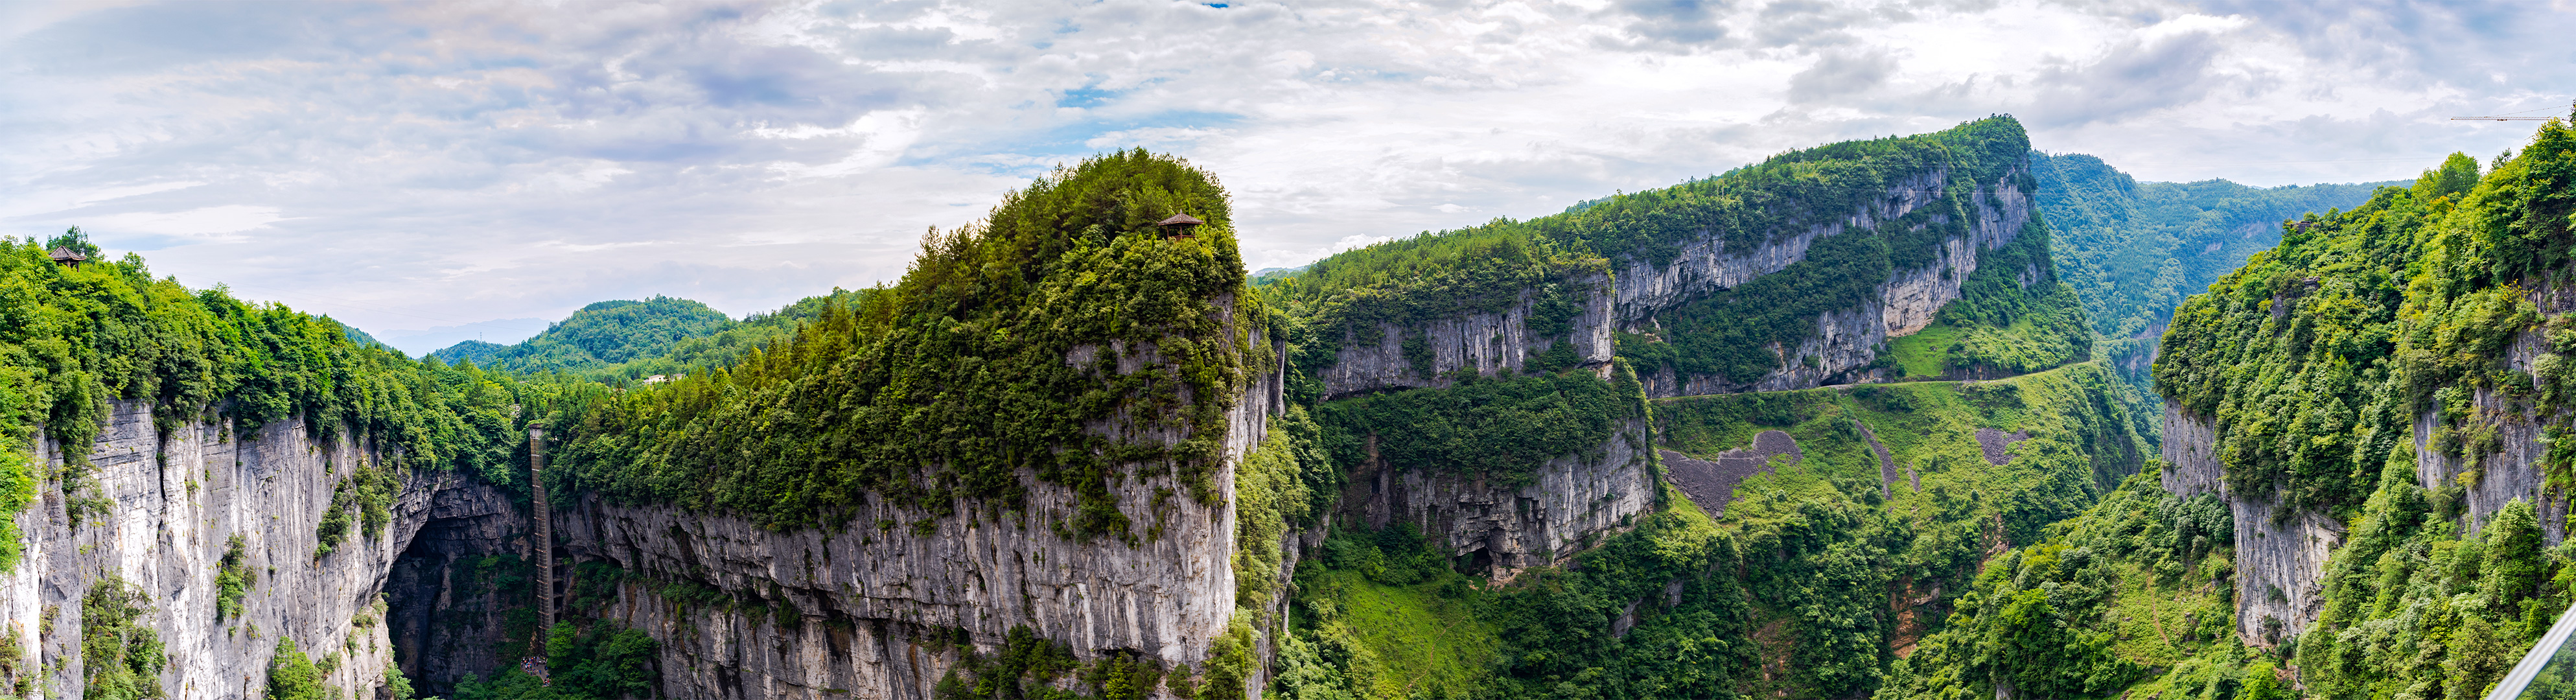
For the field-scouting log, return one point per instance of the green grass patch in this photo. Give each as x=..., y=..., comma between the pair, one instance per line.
x=1381, y=615
x=1427, y=644
x=1926, y=353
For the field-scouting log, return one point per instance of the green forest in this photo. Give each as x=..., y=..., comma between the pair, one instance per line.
x=1939, y=537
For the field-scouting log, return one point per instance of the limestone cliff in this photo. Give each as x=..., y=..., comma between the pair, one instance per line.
x=871, y=609
x=1845, y=346
x=2278, y=560
x=1491, y=343
x=1571, y=500
x=175, y=498
x=1847, y=340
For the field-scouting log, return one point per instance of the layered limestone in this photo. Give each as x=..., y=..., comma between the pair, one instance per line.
x=173, y=499
x=1491, y=343
x=2279, y=562
x=2513, y=471
x=1846, y=343
x=1847, y=340
x=871, y=608
x=1562, y=507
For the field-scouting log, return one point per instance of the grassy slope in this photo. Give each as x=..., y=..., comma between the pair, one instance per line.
x=1788, y=594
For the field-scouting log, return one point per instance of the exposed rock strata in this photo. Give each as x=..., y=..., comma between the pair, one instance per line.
x=1567, y=501
x=1846, y=343
x=177, y=498
x=2513, y=471
x=860, y=612
x=1493, y=344
x=2278, y=564
x=1711, y=483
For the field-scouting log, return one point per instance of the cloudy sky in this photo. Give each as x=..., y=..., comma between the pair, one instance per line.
x=418, y=165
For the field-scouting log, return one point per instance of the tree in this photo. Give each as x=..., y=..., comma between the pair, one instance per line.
x=291, y=676
x=75, y=239
x=2458, y=173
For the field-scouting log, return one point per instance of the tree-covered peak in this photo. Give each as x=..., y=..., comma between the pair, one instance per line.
x=1743, y=207
x=600, y=334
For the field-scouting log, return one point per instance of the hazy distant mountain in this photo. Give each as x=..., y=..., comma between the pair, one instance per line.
x=598, y=335
x=501, y=331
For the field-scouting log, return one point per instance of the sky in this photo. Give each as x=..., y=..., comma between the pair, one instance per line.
x=408, y=168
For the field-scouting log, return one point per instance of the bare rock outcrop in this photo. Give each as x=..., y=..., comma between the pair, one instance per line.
x=173, y=499
x=1847, y=341
x=2280, y=561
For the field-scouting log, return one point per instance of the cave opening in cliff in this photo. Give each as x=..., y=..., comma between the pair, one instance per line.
x=457, y=599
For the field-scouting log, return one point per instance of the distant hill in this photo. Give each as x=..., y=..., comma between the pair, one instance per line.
x=601, y=334
x=637, y=334
x=357, y=336
x=2133, y=250
x=423, y=341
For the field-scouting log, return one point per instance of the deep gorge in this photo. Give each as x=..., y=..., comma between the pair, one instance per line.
x=1076, y=452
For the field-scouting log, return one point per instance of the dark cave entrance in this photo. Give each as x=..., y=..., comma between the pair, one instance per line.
x=457, y=600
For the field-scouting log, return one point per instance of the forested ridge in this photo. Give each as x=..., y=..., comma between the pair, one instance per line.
x=75, y=340
x=1937, y=539
x=1729, y=333
x=946, y=387
x=2313, y=362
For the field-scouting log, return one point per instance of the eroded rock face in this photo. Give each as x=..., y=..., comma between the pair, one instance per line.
x=2513, y=471
x=868, y=611
x=1567, y=502
x=446, y=610
x=2279, y=566
x=1846, y=342
x=175, y=499
x=1710, y=483
x=1493, y=344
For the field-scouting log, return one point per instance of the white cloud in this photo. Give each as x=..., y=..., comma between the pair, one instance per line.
x=217, y=224
x=520, y=160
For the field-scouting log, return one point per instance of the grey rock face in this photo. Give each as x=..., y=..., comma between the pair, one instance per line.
x=868, y=611
x=2514, y=470
x=1568, y=501
x=1493, y=344
x=1847, y=340
x=176, y=498
x=2278, y=566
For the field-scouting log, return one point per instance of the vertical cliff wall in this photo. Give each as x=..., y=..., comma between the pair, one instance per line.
x=882, y=607
x=173, y=501
x=1571, y=500
x=1490, y=343
x=2279, y=560
x=1848, y=341
x=1844, y=348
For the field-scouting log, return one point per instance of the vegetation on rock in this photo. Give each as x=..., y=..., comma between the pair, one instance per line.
x=121, y=654
x=988, y=364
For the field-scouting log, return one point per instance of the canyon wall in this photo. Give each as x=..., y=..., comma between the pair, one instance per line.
x=2279, y=564
x=2279, y=560
x=872, y=608
x=1847, y=341
x=1502, y=528
x=173, y=500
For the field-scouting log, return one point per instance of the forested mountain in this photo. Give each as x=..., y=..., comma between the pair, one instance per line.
x=2133, y=250
x=601, y=334
x=2380, y=404
x=1830, y=425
